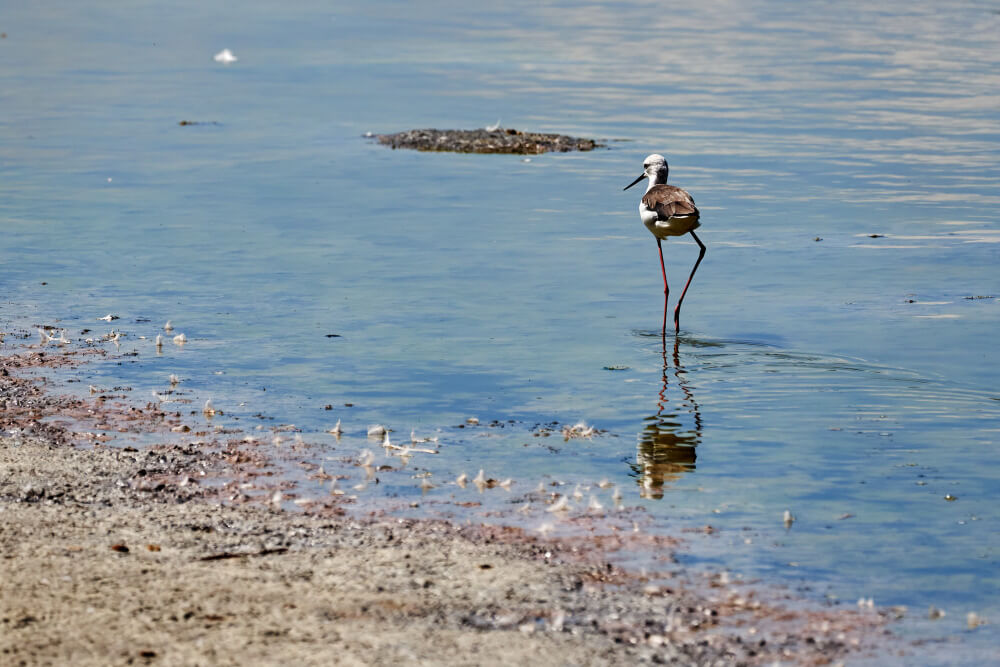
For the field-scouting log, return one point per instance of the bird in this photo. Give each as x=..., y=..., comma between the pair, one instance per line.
x=667, y=210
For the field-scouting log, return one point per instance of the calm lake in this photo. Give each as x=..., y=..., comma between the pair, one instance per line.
x=837, y=353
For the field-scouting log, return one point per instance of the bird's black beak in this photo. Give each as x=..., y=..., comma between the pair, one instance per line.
x=641, y=176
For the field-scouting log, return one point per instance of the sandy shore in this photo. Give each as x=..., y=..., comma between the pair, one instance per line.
x=125, y=556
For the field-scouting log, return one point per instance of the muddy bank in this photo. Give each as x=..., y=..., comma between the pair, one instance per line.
x=501, y=140
x=124, y=556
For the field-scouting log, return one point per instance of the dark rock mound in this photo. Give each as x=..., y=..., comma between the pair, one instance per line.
x=503, y=140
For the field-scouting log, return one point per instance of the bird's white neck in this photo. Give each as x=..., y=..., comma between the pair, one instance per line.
x=658, y=177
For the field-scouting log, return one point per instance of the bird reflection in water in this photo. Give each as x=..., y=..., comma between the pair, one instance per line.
x=667, y=449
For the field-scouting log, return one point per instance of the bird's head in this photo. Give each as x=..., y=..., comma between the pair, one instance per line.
x=654, y=167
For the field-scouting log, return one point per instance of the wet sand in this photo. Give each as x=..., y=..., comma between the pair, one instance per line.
x=114, y=555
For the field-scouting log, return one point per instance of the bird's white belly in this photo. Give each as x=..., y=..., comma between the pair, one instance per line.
x=678, y=225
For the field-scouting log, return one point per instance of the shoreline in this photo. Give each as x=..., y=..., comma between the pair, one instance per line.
x=153, y=555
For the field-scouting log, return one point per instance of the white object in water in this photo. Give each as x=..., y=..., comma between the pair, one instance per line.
x=616, y=496
x=560, y=505
x=168, y=327
x=225, y=56
x=180, y=339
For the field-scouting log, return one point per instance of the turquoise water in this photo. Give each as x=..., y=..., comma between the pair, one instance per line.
x=849, y=375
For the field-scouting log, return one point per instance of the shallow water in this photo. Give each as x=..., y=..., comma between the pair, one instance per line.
x=844, y=376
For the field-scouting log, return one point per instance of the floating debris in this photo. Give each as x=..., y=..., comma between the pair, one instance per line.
x=578, y=430
x=415, y=440
x=480, y=480
x=406, y=450
x=560, y=505
x=225, y=56
x=616, y=496
x=506, y=140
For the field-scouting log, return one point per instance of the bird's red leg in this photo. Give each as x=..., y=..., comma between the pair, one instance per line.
x=677, y=310
x=666, y=288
